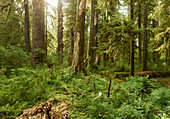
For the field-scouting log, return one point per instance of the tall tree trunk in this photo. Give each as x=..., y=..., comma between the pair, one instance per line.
x=156, y=54
x=145, y=42
x=46, y=25
x=39, y=45
x=27, y=30
x=132, y=40
x=91, y=41
x=71, y=48
x=105, y=55
x=97, y=56
x=60, y=32
x=169, y=55
x=78, y=59
x=139, y=36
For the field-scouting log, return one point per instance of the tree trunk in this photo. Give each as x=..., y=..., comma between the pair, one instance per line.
x=78, y=59
x=132, y=41
x=169, y=56
x=91, y=41
x=156, y=54
x=145, y=51
x=46, y=26
x=71, y=48
x=139, y=36
x=27, y=30
x=97, y=56
x=39, y=45
x=60, y=32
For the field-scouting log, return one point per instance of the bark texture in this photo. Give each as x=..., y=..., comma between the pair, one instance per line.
x=139, y=35
x=97, y=56
x=156, y=54
x=39, y=45
x=60, y=32
x=132, y=40
x=91, y=42
x=27, y=31
x=71, y=48
x=78, y=56
x=145, y=42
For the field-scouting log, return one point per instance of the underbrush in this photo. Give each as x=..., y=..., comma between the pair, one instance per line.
x=22, y=88
x=137, y=98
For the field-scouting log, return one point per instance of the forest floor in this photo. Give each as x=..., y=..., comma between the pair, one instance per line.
x=57, y=107
x=46, y=110
x=165, y=81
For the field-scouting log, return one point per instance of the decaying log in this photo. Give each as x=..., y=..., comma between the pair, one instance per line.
x=148, y=73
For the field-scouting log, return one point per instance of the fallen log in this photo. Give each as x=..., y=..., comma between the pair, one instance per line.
x=151, y=74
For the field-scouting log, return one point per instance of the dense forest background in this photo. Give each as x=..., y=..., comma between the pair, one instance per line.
x=99, y=55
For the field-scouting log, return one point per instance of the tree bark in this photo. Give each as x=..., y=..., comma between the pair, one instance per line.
x=78, y=56
x=97, y=56
x=92, y=32
x=60, y=32
x=156, y=54
x=39, y=45
x=139, y=36
x=71, y=48
x=145, y=51
x=27, y=30
x=132, y=40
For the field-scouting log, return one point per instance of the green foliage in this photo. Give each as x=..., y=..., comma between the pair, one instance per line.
x=12, y=25
x=137, y=98
x=13, y=56
x=21, y=88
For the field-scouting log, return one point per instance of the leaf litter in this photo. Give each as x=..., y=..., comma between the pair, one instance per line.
x=46, y=110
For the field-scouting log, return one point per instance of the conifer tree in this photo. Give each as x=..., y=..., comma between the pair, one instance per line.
x=145, y=40
x=60, y=31
x=39, y=45
x=132, y=42
x=78, y=55
x=27, y=29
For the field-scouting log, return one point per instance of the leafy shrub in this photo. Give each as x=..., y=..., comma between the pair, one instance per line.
x=13, y=56
x=21, y=88
x=138, y=98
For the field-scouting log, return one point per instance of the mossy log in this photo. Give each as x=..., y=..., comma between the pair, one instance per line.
x=151, y=74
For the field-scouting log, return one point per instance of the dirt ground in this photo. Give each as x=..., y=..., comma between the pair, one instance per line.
x=165, y=81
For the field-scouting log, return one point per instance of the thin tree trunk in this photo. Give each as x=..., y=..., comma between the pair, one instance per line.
x=156, y=54
x=139, y=36
x=46, y=27
x=71, y=48
x=27, y=30
x=97, y=56
x=132, y=41
x=39, y=45
x=60, y=32
x=145, y=51
x=91, y=41
x=78, y=56
x=169, y=55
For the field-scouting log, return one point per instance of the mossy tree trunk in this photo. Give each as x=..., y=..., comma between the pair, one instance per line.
x=71, y=50
x=27, y=30
x=156, y=54
x=78, y=55
x=132, y=42
x=60, y=32
x=97, y=56
x=39, y=45
x=91, y=41
x=139, y=35
x=145, y=40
